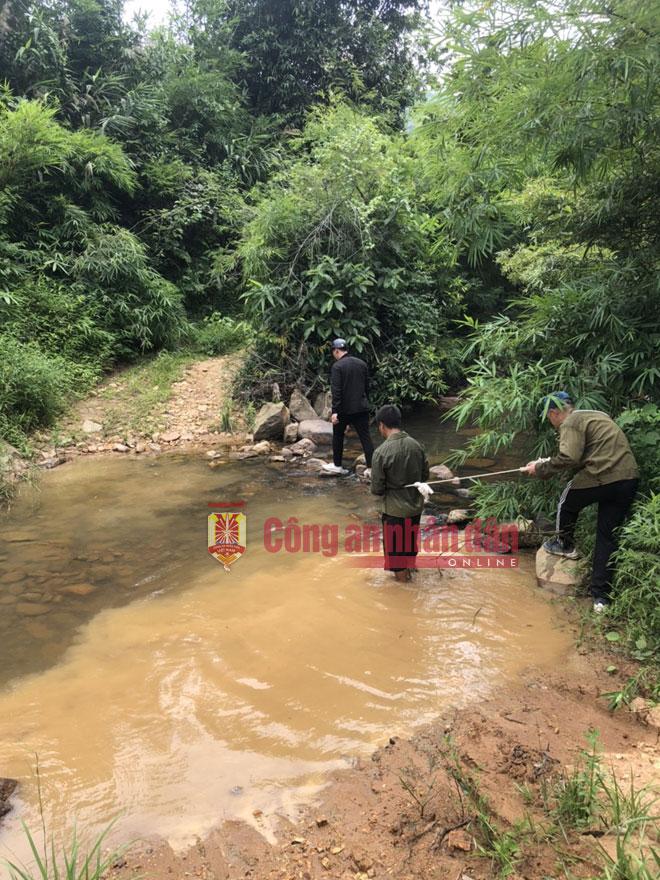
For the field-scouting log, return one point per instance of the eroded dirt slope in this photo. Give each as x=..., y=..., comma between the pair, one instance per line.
x=412, y=811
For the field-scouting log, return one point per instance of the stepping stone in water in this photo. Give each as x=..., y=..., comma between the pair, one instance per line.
x=31, y=609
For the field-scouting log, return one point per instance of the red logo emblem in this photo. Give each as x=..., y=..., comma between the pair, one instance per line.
x=227, y=532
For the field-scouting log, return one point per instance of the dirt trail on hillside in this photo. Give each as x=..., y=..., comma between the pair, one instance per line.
x=199, y=398
x=113, y=419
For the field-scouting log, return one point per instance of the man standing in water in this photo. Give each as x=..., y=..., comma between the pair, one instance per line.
x=397, y=462
x=595, y=447
x=349, y=381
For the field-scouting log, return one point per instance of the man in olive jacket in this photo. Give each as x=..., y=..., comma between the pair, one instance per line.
x=595, y=448
x=397, y=462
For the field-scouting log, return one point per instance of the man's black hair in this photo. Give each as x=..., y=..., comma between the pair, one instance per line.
x=389, y=415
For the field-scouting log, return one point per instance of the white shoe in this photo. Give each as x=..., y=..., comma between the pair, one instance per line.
x=331, y=468
x=600, y=607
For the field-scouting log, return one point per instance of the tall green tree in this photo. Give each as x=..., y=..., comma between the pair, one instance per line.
x=541, y=155
x=77, y=52
x=295, y=52
x=337, y=246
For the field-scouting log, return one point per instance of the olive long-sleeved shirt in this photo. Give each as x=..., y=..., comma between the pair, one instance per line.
x=591, y=443
x=396, y=462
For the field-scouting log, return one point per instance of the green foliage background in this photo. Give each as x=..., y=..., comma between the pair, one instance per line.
x=471, y=202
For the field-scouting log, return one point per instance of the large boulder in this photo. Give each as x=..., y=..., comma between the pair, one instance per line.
x=558, y=574
x=323, y=405
x=12, y=465
x=300, y=408
x=317, y=430
x=270, y=422
x=89, y=426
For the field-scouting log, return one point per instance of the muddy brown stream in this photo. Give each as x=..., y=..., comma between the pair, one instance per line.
x=154, y=686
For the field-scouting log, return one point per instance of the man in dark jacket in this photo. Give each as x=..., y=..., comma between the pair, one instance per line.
x=596, y=450
x=397, y=463
x=349, y=381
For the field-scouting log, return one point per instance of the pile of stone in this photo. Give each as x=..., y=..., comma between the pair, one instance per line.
x=303, y=431
x=297, y=421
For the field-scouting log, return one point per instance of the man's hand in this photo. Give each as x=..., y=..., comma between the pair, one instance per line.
x=424, y=490
x=334, y=418
x=530, y=468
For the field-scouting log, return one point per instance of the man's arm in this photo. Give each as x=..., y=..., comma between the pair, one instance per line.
x=571, y=449
x=335, y=387
x=425, y=467
x=378, y=480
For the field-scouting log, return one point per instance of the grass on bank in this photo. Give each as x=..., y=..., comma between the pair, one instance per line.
x=137, y=394
x=75, y=861
x=565, y=805
x=38, y=383
x=38, y=389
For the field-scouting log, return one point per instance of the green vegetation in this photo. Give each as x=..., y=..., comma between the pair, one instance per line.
x=336, y=240
x=574, y=795
x=472, y=203
x=134, y=398
x=583, y=799
x=76, y=861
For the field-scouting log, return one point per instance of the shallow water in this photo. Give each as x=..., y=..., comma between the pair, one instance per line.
x=177, y=694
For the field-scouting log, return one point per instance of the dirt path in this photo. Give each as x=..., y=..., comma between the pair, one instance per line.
x=465, y=799
x=159, y=405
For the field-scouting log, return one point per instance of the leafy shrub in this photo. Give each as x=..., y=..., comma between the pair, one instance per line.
x=642, y=428
x=34, y=386
x=192, y=231
x=218, y=334
x=337, y=246
x=637, y=583
x=266, y=363
x=59, y=320
x=140, y=308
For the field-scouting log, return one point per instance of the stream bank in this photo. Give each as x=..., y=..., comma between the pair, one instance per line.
x=167, y=403
x=407, y=811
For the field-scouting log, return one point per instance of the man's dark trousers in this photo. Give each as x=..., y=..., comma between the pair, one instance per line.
x=400, y=541
x=614, y=501
x=360, y=421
